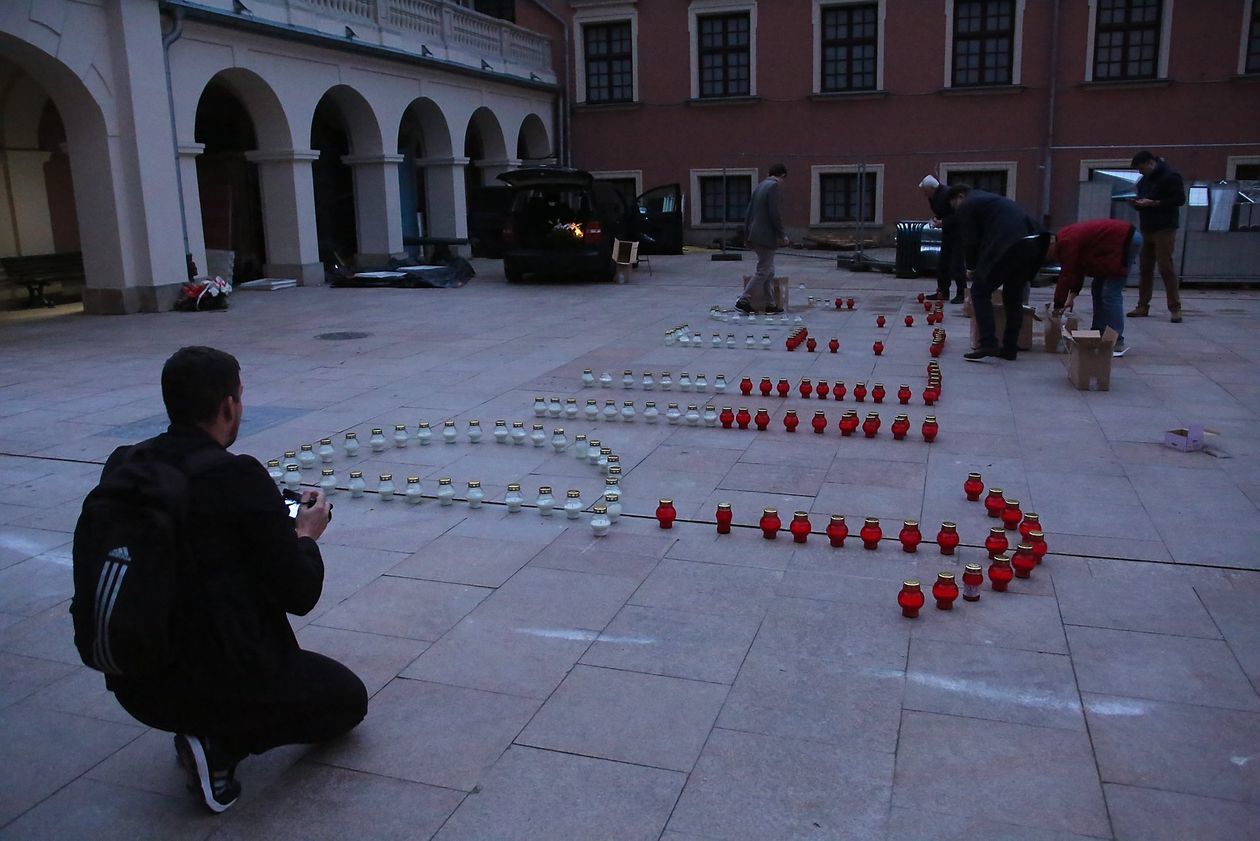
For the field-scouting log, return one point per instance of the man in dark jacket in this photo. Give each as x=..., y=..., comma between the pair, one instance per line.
x=1160, y=195
x=1002, y=247
x=1103, y=250
x=240, y=683
x=763, y=230
x=949, y=264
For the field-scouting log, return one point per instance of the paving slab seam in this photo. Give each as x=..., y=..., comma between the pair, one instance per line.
x=1089, y=730
x=1254, y=686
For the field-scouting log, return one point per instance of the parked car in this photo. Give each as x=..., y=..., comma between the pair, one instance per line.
x=563, y=222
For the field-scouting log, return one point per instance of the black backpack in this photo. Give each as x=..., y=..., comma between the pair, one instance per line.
x=129, y=556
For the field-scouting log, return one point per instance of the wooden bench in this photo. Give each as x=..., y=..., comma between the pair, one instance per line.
x=38, y=270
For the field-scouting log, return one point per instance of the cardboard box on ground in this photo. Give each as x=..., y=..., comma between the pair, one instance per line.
x=1089, y=357
x=999, y=322
x=757, y=300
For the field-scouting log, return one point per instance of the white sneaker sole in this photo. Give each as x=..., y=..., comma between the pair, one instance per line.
x=201, y=770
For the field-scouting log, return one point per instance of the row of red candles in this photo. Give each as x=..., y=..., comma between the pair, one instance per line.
x=871, y=533
x=801, y=336
x=807, y=388
x=945, y=591
x=849, y=423
x=928, y=303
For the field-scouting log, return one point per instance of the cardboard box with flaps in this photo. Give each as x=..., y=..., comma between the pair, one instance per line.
x=1089, y=357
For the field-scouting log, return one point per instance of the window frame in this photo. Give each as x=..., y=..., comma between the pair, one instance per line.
x=635, y=175
x=815, y=194
x=1017, y=49
x=707, y=8
x=1232, y=162
x=609, y=58
x=597, y=16
x=1011, y=168
x=697, y=205
x=1165, y=38
x=817, y=16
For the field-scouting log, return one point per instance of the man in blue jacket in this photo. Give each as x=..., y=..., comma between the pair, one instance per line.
x=763, y=230
x=1160, y=195
x=1002, y=248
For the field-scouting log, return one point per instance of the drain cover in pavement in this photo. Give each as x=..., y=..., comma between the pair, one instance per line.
x=342, y=336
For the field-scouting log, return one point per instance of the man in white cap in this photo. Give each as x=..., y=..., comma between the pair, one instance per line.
x=949, y=265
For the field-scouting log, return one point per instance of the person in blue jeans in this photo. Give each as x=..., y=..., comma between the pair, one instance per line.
x=1102, y=249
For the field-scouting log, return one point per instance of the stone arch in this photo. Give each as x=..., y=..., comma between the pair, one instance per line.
x=424, y=142
x=87, y=120
x=485, y=148
x=362, y=126
x=533, y=143
x=272, y=129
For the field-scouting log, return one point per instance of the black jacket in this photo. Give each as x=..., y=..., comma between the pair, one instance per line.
x=943, y=210
x=249, y=570
x=989, y=224
x=1165, y=186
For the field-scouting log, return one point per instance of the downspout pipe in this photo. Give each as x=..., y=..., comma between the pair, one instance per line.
x=1047, y=162
x=565, y=154
x=177, y=29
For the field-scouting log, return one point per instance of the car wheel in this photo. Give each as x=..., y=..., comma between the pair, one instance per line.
x=512, y=272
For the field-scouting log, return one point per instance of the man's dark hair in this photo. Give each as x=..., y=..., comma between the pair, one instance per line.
x=1141, y=158
x=957, y=190
x=194, y=382
x=778, y=170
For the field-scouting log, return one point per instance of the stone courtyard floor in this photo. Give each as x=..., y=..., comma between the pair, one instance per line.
x=530, y=681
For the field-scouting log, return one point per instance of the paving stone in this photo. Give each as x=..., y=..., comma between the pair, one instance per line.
x=537, y=795
x=550, y=600
x=36, y=583
x=708, y=588
x=1141, y=814
x=404, y=607
x=111, y=812
x=1004, y=620
x=429, y=733
x=1005, y=684
x=45, y=750
x=1048, y=771
x=502, y=657
x=854, y=702
x=674, y=643
x=376, y=659
x=1155, y=608
x=805, y=628
x=1206, y=751
x=320, y=803
x=21, y=677
x=913, y=824
x=468, y=560
x=18, y=543
x=1160, y=668
x=631, y=717
x=750, y=786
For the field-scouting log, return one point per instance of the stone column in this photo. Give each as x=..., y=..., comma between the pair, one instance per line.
x=377, y=207
x=288, y=200
x=446, y=200
x=188, y=153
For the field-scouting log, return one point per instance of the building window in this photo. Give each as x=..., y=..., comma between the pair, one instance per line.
x=628, y=186
x=503, y=9
x=1126, y=39
x=984, y=43
x=724, y=49
x=850, y=47
x=989, y=180
x=1252, y=63
x=609, y=62
x=724, y=198
x=845, y=197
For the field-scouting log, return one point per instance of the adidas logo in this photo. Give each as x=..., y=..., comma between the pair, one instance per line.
x=121, y=554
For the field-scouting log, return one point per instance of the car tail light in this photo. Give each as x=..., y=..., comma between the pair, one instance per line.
x=594, y=232
x=509, y=234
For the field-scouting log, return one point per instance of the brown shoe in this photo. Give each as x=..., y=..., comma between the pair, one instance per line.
x=1175, y=316
x=1139, y=312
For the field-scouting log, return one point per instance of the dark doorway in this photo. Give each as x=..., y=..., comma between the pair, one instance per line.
x=58, y=183
x=227, y=183
x=335, y=222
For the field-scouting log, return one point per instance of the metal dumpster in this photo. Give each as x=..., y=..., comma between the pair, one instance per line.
x=918, y=249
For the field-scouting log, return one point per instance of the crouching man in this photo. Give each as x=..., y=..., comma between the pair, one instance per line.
x=187, y=561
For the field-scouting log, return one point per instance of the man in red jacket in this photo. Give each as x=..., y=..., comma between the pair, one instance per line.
x=1102, y=249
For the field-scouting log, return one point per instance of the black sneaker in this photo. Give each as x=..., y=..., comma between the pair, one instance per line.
x=981, y=353
x=743, y=306
x=958, y=299
x=209, y=773
x=774, y=310
x=1009, y=355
